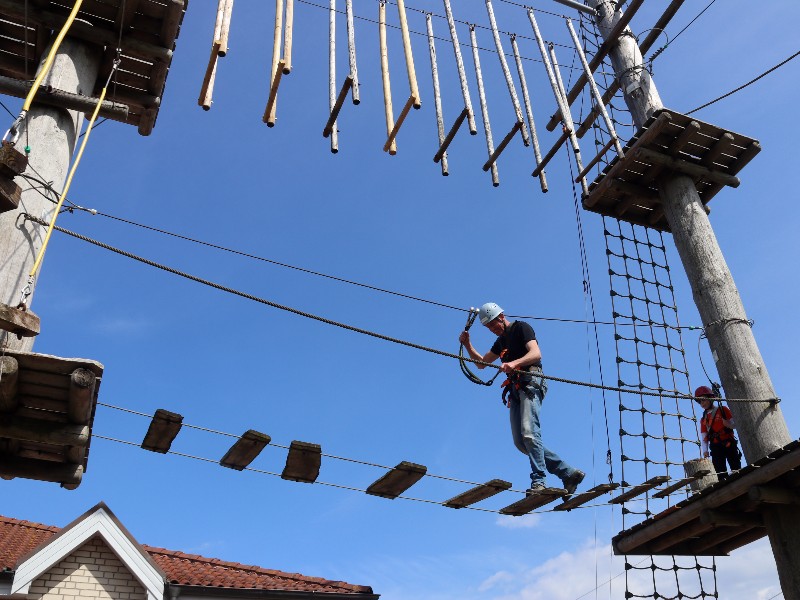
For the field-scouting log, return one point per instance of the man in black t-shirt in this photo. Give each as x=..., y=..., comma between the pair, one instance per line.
x=518, y=350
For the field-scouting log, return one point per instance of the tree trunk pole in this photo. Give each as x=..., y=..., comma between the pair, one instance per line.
x=761, y=426
x=52, y=134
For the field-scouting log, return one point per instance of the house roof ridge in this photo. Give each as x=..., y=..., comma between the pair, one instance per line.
x=253, y=568
x=30, y=524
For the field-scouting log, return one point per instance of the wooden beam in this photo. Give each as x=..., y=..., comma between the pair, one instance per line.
x=723, y=146
x=390, y=141
x=9, y=376
x=640, y=489
x=476, y=494
x=21, y=322
x=679, y=484
x=82, y=384
x=679, y=143
x=303, y=462
x=450, y=135
x=207, y=87
x=398, y=480
x=529, y=503
x=348, y=83
x=710, y=540
x=43, y=432
x=726, y=518
x=269, y=112
x=663, y=544
x=41, y=470
x=585, y=497
x=162, y=431
x=687, y=168
x=502, y=146
x=595, y=160
x=60, y=99
x=772, y=494
x=245, y=450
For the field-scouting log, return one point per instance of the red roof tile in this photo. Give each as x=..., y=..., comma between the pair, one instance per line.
x=18, y=538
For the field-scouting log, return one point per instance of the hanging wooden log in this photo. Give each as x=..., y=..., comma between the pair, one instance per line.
x=82, y=384
x=269, y=112
x=225, y=27
x=333, y=132
x=351, y=51
x=9, y=376
x=437, y=99
x=512, y=91
x=570, y=124
x=287, y=37
x=303, y=462
x=387, y=87
x=528, y=110
x=337, y=106
x=476, y=494
x=462, y=75
x=554, y=76
x=398, y=480
x=502, y=145
x=487, y=127
x=412, y=74
x=163, y=430
x=598, y=97
x=450, y=135
x=207, y=88
x=245, y=450
x=277, y=66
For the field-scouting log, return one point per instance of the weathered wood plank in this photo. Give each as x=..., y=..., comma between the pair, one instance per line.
x=478, y=493
x=20, y=322
x=398, y=480
x=534, y=501
x=162, y=431
x=640, y=489
x=585, y=497
x=245, y=450
x=45, y=432
x=303, y=462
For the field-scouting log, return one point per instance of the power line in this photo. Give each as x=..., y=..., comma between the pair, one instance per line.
x=677, y=35
x=243, y=254
x=640, y=392
x=741, y=87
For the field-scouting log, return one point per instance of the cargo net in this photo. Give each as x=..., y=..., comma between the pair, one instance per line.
x=658, y=434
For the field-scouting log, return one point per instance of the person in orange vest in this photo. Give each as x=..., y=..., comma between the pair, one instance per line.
x=716, y=432
x=521, y=360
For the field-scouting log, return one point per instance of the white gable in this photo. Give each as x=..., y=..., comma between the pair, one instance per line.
x=98, y=523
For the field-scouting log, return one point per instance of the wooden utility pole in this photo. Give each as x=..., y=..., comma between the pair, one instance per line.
x=52, y=134
x=761, y=426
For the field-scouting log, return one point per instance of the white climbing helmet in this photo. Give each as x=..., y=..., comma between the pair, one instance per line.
x=489, y=312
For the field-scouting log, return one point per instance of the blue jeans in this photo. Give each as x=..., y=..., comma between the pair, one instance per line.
x=525, y=404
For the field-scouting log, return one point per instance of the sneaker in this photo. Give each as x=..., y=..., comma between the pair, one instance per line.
x=536, y=488
x=572, y=482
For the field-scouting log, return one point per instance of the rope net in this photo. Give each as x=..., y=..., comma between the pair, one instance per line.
x=657, y=435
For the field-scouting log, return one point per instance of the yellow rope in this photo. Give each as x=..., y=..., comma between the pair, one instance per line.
x=63, y=195
x=51, y=56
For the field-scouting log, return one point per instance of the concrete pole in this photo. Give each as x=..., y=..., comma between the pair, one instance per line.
x=761, y=426
x=52, y=134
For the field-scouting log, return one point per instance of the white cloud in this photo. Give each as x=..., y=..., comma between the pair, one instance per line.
x=574, y=575
x=523, y=522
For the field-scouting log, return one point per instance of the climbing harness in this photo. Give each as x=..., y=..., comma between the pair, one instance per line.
x=471, y=316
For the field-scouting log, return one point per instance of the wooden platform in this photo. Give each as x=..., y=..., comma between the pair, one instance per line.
x=150, y=28
x=669, y=142
x=722, y=517
x=47, y=409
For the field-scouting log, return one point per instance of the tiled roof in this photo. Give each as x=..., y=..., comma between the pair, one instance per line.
x=19, y=538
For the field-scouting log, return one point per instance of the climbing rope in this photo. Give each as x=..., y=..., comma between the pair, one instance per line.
x=235, y=292
x=27, y=290
x=13, y=131
x=473, y=313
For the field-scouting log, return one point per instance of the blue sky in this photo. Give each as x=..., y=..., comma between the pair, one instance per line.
x=230, y=365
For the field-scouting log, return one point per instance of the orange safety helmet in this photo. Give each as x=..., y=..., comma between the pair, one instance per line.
x=704, y=392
